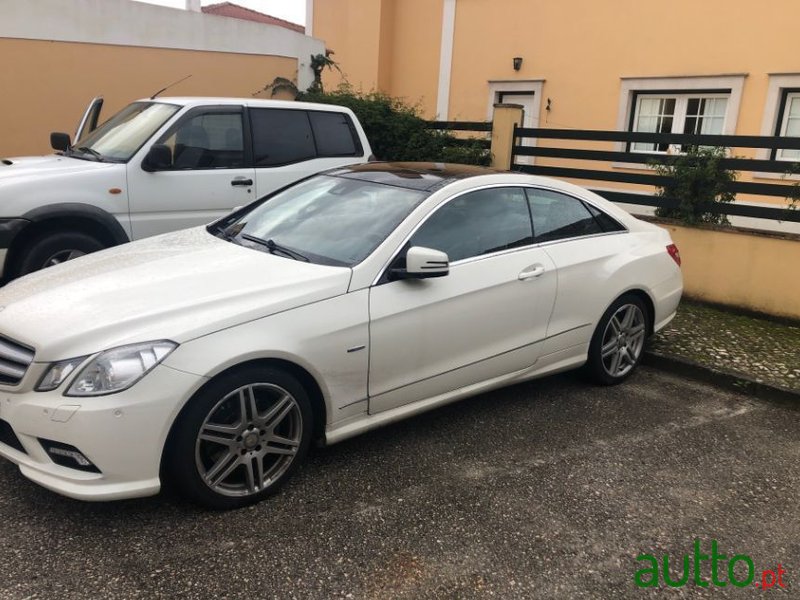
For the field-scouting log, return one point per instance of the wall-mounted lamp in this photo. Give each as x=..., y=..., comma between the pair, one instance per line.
x=517, y=63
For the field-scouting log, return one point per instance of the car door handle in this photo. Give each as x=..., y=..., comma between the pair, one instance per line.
x=531, y=272
x=241, y=181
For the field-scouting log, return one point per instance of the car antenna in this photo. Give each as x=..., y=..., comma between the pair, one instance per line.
x=164, y=89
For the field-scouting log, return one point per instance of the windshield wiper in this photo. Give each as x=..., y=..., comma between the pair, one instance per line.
x=273, y=247
x=92, y=151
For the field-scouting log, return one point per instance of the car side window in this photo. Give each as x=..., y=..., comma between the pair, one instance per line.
x=334, y=134
x=478, y=223
x=606, y=222
x=207, y=141
x=281, y=136
x=558, y=216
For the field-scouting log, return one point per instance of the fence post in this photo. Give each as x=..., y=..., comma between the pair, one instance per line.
x=506, y=116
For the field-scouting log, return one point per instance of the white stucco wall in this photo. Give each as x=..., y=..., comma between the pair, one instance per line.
x=127, y=23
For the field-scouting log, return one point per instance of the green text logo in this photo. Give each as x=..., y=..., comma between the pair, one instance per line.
x=738, y=571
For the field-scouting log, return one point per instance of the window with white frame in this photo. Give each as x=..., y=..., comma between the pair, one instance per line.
x=789, y=122
x=702, y=112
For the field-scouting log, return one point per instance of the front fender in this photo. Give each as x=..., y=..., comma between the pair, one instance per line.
x=315, y=337
x=73, y=210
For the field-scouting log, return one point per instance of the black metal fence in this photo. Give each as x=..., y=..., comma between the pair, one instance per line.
x=622, y=158
x=465, y=126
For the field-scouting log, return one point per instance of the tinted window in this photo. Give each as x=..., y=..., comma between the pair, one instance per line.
x=207, y=141
x=606, y=223
x=281, y=136
x=557, y=216
x=333, y=133
x=478, y=223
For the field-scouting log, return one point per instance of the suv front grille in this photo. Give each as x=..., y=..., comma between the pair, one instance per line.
x=14, y=361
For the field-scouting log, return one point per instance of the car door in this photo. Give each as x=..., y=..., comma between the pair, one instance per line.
x=580, y=239
x=485, y=319
x=211, y=173
x=290, y=144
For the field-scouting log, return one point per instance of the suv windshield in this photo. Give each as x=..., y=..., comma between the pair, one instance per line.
x=326, y=219
x=119, y=138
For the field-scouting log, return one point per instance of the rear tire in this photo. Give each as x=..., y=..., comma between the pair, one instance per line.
x=54, y=248
x=239, y=439
x=617, y=345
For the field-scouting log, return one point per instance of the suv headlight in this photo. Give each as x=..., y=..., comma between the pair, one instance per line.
x=118, y=369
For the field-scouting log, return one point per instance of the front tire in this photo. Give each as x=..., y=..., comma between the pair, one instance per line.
x=54, y=248
x=240, y=438
x=617, y=345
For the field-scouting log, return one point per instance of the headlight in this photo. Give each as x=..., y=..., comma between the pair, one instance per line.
x=57, y=373
x=118, y=369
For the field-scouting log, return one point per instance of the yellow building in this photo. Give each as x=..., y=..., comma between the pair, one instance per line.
x=686, y=66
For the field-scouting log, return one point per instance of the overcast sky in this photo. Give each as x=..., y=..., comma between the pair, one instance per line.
x=291, y=10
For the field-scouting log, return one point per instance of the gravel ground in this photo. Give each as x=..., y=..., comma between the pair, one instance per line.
x=766, y=351
x=549, y=489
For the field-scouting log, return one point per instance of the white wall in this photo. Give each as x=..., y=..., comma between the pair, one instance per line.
x=127, y=23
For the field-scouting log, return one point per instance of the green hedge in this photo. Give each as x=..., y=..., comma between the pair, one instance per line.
x=397, y=132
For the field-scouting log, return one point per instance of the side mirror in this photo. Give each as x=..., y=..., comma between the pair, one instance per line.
x=158, y=158
x=423, y=263
x=60, y=141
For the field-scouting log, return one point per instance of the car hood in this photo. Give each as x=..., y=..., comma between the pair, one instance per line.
x=36, y=167
x=177, y=286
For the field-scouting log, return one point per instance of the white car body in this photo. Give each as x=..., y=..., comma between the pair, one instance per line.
x=378, y=353
x=120, y=201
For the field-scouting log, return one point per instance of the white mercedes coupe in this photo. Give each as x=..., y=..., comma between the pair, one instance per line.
x=211, y=358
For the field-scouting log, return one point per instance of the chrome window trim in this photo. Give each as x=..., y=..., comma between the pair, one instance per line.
x=382, y=271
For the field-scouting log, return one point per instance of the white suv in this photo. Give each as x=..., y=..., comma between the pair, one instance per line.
x=160, y=165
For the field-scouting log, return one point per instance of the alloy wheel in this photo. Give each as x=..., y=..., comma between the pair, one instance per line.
x=249, y=439
x=623, y=340
x=63, y=256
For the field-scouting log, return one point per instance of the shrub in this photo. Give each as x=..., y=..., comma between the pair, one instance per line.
x=397, y=132
x=698, y=180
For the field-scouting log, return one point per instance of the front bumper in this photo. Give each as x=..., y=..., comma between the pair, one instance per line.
x=123, y=434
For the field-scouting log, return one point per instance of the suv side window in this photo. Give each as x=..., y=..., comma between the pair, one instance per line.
x=478, y=223
x=558, y=216
x=281, y=136
x=210, y=140
x=335, y=134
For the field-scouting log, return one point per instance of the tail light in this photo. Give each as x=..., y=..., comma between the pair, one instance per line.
x=673, y=251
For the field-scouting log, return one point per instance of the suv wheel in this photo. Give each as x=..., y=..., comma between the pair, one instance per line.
x=55, y=248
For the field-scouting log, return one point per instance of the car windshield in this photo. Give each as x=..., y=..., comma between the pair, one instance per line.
x=119, y=138
x=326, y=219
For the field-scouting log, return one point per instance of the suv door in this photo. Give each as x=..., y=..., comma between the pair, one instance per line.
x=210, y=174
x=290, y=144
x=484, y=320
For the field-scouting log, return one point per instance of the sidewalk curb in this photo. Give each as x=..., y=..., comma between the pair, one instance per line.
x=730, y=380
